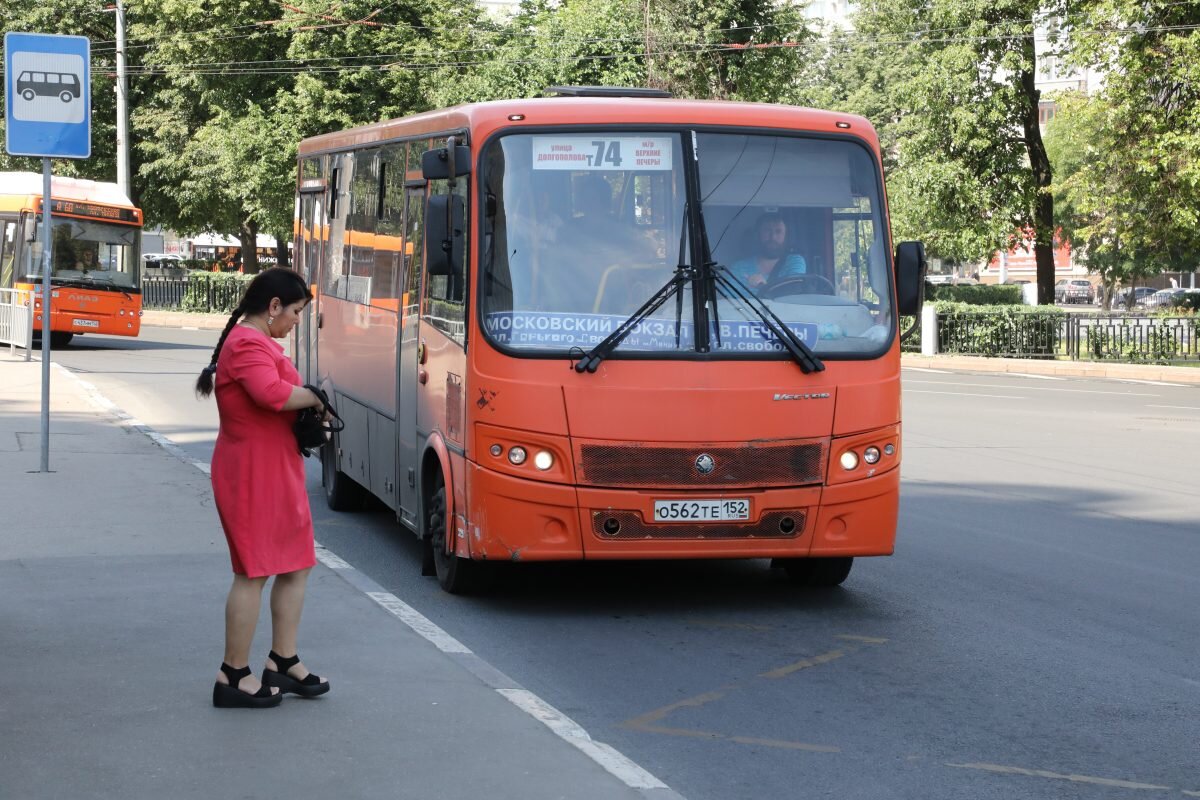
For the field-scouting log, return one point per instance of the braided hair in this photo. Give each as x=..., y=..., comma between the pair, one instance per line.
x=276, y=282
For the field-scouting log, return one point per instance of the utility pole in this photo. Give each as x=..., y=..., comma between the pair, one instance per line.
x=122, y=105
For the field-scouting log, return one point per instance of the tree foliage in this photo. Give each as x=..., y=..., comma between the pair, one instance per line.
x=950, y=84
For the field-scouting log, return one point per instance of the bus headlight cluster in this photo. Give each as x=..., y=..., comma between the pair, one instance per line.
x=870, y=455
x=518, y=455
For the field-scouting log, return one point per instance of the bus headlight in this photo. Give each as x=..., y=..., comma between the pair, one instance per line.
x=543, y=460
x=871, y=454
x=849, y=460
x=517, y=455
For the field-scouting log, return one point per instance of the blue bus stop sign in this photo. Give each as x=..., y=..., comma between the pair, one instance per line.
x=47, y=95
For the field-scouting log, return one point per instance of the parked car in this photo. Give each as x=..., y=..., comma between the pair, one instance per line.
x=1074, y=290
x=1162, y=298
x=147, y=257
x=1140, y=293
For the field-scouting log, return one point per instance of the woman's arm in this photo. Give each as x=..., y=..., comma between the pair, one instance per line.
x=301, y=398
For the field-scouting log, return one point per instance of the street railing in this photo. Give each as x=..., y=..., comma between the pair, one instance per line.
x=1126, y=337
x=202, y=292
x=16, y=320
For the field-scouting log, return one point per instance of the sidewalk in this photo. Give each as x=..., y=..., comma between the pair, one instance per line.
x=1063, y=369
x=113, y=573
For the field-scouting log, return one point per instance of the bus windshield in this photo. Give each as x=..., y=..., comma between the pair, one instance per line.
x=86, y=253
x=582, y=229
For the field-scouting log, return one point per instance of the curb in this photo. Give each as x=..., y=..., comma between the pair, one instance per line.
x=183, y=319
x=1064, y=369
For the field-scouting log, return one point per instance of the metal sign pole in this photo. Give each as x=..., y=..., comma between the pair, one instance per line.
x=46, y=244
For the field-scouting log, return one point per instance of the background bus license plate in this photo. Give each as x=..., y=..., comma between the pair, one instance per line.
x=701, y=510
x=86, y=323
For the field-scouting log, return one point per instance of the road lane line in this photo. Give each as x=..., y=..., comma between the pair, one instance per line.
x=1042, y=773
x=607, y=757
x=1036, y=377
x=645, y=721
x=569, y=731
x=1189, y=408
x=1034, y=388
x=969, y=394
x=1150, y=383
x=923, y=369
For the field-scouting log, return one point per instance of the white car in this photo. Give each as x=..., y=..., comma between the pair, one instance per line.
x=160, y=257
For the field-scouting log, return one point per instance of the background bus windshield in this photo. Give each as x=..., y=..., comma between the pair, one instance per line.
x=87, y=252
x=589, y=226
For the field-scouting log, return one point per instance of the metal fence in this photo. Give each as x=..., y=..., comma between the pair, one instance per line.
x=1131, y=338
x=190, y=294
x=16, y=320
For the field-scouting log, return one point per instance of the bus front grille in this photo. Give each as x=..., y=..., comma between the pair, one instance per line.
x=697, y=465
x=626, y=525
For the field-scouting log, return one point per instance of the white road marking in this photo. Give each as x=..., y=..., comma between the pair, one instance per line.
x=420, y=623
x=1149, y=383
x=329, y=558
x=1189, y=408
x=969, y=394
x=923, y=369
x=1037, y=377
x=569, y=731
x=1032, y=388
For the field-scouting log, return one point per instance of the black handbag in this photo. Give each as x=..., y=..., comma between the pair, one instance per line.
x=311, y=429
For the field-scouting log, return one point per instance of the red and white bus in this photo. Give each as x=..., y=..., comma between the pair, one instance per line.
x=554, y=331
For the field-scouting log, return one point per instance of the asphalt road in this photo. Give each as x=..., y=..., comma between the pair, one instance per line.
x=1035, y=635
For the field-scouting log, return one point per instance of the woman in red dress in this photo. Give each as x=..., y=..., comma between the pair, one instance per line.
x=258, y=483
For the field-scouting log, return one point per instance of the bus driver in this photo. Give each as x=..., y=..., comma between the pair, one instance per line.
x=771, y=262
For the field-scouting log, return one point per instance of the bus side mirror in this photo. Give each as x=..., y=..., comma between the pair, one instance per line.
x=436, y=166
x=910, y=278
x=443, y=238
x=29, y=228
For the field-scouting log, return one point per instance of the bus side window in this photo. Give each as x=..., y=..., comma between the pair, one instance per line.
x=8, y=252
x=389, y=233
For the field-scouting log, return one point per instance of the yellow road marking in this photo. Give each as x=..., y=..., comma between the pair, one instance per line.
x=1042, y=773
x=645, y=721
x=864, y=639
x=807, y=663
x=815, y=748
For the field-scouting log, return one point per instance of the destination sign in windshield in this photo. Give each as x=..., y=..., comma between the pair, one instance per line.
x=77, y=208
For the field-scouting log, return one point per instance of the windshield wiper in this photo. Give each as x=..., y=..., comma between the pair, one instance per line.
x=591, y=359
x=738, y=291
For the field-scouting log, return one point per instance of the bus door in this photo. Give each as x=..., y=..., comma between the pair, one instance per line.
x=312, y=227
x=410, y=304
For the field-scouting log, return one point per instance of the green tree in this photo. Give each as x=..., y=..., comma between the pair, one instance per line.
x=75, y=18
x=727, y=49
x=950, y=83
x=1150, y=51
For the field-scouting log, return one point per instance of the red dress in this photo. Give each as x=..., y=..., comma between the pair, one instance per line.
x=257, y=470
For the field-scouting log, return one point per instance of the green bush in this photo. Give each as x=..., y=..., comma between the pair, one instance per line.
x=1017, y=331
x=214, y=292
x=974, y=294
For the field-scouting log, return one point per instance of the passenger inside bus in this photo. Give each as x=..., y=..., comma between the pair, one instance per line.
x=85, y=259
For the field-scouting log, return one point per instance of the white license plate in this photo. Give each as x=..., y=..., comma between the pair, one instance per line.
x=85, y=323
x=711, y=510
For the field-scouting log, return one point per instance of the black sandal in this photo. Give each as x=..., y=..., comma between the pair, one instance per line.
x=230, y=696
x=311, y=686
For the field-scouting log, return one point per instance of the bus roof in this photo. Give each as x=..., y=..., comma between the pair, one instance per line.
x=593, y=111
x=30, y=184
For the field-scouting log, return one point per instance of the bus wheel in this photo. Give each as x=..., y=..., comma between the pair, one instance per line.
x=60, y=338
x=456, y=575
x=342, y=493
x=816, y=572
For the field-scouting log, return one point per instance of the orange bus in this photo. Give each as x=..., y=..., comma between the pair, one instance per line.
x=95, y=274
x=610, y=324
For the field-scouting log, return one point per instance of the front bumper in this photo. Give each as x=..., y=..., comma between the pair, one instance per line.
x=512, y=519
